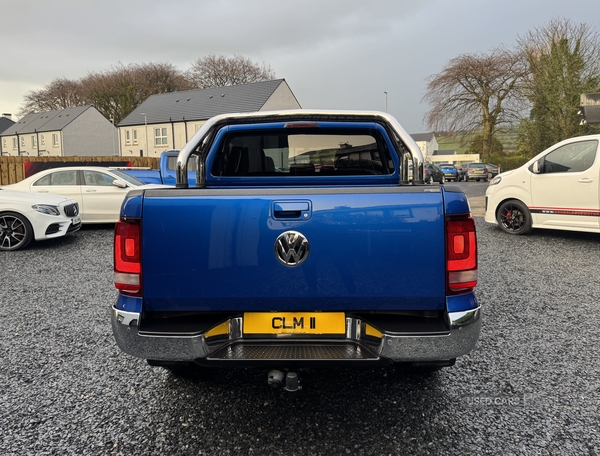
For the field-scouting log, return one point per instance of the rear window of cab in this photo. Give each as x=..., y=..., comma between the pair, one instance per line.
x=303, y=151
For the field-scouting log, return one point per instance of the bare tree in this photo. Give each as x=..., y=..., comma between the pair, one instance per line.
x=153, y=78
x=114, y=92
x=476, y=93
x=60, y=94
x=219, y=71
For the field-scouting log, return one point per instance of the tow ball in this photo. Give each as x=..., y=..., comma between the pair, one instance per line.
x=288, y=381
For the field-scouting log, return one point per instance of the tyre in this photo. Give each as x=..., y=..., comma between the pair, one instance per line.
x=514, y=217
x=15, y=231
x=442, y=180
x=430, y=180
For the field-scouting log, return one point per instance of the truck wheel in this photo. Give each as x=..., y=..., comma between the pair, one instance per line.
x=15, y=231
x=514, y=217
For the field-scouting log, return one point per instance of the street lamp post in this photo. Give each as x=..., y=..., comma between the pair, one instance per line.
x=386, y=106
x=146, y=125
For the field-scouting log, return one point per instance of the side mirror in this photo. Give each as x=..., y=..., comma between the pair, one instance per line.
x=119, y=183
x=536, y=167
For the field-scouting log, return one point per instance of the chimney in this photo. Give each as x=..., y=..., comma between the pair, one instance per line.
x=8, y=115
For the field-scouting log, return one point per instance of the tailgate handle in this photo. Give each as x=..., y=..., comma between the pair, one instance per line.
x=291, y=210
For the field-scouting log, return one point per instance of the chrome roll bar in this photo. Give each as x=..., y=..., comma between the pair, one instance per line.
x=410, y=152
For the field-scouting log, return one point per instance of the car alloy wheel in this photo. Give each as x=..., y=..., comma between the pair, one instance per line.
x=514, y=217
x=15, y=231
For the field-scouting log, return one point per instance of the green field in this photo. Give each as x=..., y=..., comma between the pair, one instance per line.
x=460, y=143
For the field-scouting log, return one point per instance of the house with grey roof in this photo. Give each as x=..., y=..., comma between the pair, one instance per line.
x=427, y=143
x=79, y=131
x=6, y=121
x=167, y=121
x=590, y=107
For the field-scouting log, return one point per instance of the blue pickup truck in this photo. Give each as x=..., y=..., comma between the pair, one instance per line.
x=300, y=245
x=165, y=174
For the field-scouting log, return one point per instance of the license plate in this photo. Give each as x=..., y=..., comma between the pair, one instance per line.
x=294, y=323
x=478, y=171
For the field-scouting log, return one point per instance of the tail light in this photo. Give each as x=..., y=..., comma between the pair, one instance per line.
x=128, y=259
x=461, y=254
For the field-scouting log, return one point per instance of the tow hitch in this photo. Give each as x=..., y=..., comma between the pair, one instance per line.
x=288, y=381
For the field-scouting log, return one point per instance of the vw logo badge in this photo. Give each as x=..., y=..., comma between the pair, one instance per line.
x=292, y=248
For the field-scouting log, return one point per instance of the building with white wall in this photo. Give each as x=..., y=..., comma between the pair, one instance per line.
x=167, y=121
x=79, y=131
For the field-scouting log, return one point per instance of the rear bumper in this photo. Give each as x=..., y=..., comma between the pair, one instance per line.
x=359, y=346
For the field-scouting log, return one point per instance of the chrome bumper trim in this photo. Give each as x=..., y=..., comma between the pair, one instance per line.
x=460, y=340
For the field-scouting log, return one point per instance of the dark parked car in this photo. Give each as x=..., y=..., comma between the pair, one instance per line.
x=450, y=172
x=494, y=169
x=431, y=174
x=476, y=171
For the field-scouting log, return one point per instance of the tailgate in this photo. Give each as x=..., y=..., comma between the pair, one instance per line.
x=239, y=249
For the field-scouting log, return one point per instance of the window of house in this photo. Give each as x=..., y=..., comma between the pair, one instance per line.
x=160, y=136
x=42, y=142
x=135, y=140
x=15, y=143
x=4, y=143
x=54, y=140
x=34, y=142
x=22, y=141
x=127, y=137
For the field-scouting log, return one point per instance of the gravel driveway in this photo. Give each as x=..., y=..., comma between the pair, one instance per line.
x=531, y=386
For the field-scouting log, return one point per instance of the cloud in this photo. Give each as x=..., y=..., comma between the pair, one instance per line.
x=339, y=54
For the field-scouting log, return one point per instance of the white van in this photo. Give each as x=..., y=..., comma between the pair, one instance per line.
x=558, y=189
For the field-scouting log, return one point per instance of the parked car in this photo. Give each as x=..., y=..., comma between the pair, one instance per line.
x=98, y=190
x=450, y=172
x=493, y=169
x=166, y=172
x=476, y=171
x=431, y=174
x=461, y=170
x=557, y=189
x=25, y=216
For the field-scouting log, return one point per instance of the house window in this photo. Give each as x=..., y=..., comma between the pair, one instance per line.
x=22, y=141
x=34, y=142
x=135, y=141
x=42, y=142
x=197, y=127
x=54, y=140
x=160, y=136
x=127, y=137
x=15, y=143
x=4, y=143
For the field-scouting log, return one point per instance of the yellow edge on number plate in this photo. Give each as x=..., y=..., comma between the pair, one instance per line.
x=294, y=323
x=370, y=331
x=218, y=330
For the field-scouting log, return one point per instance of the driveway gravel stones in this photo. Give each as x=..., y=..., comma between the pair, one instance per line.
x=531, y=387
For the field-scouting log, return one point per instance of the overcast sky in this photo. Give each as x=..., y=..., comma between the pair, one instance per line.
x=334, y=54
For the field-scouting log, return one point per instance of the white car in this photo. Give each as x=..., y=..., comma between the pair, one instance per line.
x=557, y=189
x=98, y=190
x=26, y=216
